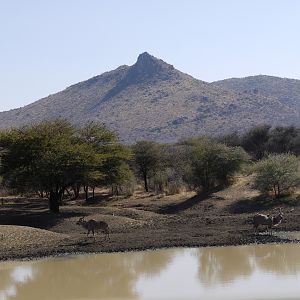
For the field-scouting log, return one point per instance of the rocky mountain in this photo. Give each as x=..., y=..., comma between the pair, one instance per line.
x=153, y=100
x=285, y=90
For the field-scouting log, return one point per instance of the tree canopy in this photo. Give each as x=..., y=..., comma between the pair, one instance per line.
x=54, y=155
x=278, y=173
x=147, y=156
x=214, y=163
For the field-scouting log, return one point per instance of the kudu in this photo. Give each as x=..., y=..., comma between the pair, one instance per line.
x=269, y=221
x=93, y=225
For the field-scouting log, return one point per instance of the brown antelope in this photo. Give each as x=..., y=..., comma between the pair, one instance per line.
x=93, y=225
x=269, y=221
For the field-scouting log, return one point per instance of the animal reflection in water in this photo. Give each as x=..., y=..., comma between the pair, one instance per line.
x=93, y=225
x=267, y=220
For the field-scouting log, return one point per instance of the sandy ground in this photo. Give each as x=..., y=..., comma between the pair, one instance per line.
x=143, y=221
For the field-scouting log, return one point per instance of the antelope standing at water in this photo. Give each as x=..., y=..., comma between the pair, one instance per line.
x=93, y=225
x=269, y=221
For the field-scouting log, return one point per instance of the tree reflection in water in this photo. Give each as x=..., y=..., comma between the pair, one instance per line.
x=221, y=265
x=278, y=258
x=86, y=277
x=117, y=275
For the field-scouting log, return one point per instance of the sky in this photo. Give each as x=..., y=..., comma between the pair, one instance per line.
x=45, y=46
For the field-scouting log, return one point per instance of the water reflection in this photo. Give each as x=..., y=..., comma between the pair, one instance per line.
x=82, y=277
x=173, y=273
x=11, y=276
x=221, y=265
x=278, y=259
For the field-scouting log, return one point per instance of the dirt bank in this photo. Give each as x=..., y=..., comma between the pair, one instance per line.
x=141, y=222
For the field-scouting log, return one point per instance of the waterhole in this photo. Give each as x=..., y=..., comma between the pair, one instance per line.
x=244, y=272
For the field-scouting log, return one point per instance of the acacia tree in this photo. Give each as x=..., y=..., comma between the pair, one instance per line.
x=213, y=163
x=147, y=159
x=173, y=168
x=47, y=157
x=255, y=141
x=284, y=139
x=277, y=174
x=113, y=169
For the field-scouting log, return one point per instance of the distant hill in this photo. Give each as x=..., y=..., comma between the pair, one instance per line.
x=285, y=90
x=153, y=100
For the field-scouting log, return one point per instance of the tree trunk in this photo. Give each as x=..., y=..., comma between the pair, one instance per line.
x=69, y=194
x=54, y=201
x=278, y=190
x=93, y=192
x=61, y=196
x=76, y=190
x=146, y=182
x=86, y=189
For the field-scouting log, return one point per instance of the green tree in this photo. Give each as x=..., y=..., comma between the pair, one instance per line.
x=284, y=139
x=174, y=167
x=278, y=173
x=50, y=157
x=113, y=169
x=230, y=139
x=45, y=157
x=114, y=166
x=147, y=156
x=255, y=141
x=213, y=164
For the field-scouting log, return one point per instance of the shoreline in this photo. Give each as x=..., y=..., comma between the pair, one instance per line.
x=41, y=255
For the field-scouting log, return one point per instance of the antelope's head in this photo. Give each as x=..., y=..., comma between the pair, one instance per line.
x=80, y=221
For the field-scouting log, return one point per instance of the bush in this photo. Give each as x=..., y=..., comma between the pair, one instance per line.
x=255, y=141
x=213, y=164
x=175, y=187
x=278, y=174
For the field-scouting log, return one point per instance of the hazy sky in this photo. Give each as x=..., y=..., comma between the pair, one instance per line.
x=46, y=46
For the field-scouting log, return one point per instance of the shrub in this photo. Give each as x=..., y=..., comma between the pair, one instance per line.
x=278, y=173
x=213, y=164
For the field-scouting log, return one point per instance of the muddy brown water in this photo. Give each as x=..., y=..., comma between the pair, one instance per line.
x=244, y=272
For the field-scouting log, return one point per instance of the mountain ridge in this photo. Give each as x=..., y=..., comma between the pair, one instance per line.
x=153, y=100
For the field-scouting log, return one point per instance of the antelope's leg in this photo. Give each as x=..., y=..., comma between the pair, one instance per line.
x=255, y=228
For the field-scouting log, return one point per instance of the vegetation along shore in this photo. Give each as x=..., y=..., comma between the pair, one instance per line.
x=201, y=191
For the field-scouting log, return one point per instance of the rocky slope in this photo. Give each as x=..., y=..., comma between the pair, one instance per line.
x=285, y=90
x=153, y=100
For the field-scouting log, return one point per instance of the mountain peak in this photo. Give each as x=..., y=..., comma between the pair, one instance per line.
x=147, y=60
x=148, y=66
x=145, y=57
x=147, y=69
